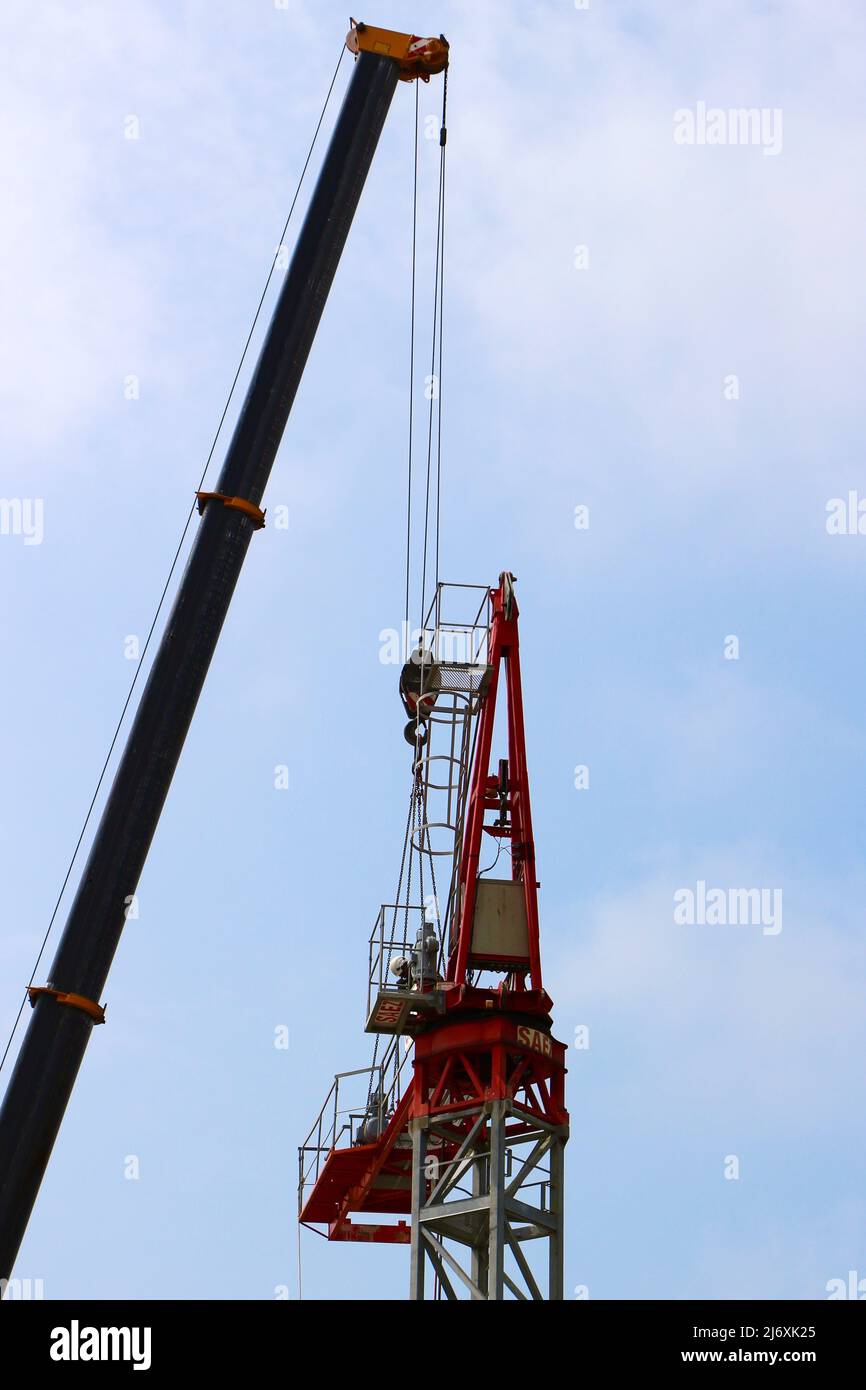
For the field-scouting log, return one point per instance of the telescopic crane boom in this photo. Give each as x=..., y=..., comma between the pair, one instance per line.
x=67, y=1008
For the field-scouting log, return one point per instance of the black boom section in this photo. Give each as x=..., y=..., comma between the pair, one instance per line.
x=58, y=1031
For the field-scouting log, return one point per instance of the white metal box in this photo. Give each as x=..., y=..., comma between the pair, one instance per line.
x=499, y=933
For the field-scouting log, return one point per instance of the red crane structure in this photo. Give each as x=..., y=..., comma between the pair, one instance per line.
x=470, y=1146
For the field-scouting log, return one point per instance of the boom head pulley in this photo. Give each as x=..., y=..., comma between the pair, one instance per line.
x=415, y=57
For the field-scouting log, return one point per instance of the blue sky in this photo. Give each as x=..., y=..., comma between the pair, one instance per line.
x=602, y=387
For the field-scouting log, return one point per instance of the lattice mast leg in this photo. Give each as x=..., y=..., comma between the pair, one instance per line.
x=489, y=1245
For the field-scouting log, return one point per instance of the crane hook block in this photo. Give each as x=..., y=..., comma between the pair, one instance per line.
x=240, y=504
x=415, y=57
x=75, y=1001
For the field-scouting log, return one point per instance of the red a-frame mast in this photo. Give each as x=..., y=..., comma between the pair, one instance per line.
x=507, y=792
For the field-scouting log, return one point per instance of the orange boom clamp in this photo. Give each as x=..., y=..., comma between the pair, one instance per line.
x=240, y=504
x=75, y=1001
x=415, y=57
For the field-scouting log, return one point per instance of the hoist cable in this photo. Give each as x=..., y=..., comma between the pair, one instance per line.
x=421, y=803
x=140, y=665
x=407, y=850
x=416, y=822
x=434, y=379
x=412, y=359
x=442, y=144
x=439, y=411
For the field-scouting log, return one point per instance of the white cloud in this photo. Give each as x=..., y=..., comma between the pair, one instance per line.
x=768, y=1031
x=703, y=261
x=101, y=235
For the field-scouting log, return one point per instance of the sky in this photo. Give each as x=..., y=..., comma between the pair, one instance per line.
x=651, y=395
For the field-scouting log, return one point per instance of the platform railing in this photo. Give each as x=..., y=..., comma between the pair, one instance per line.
x=366, y=1097
x=394, y=938
x=457, y=624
